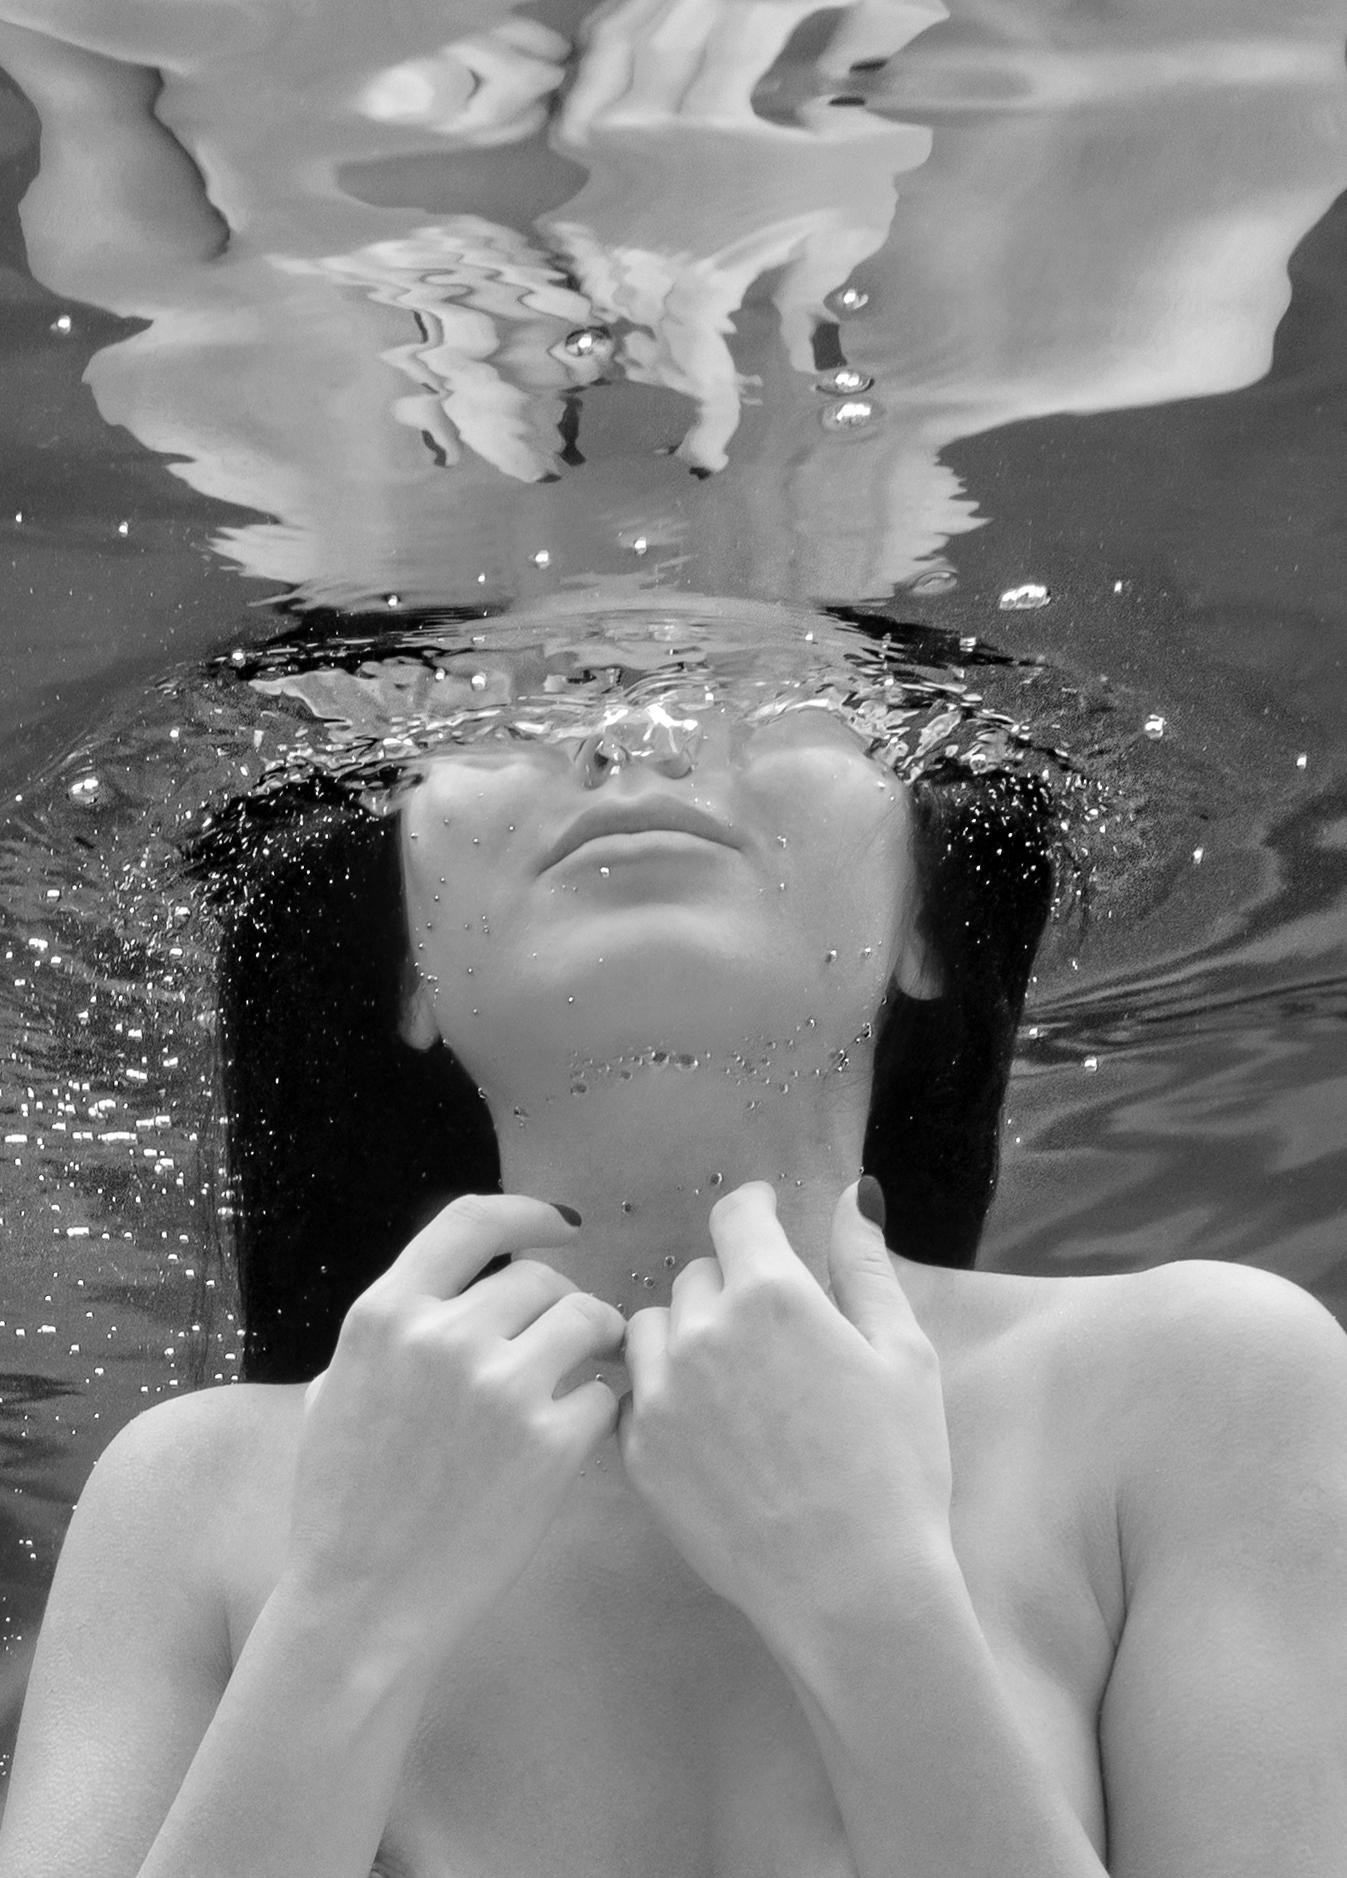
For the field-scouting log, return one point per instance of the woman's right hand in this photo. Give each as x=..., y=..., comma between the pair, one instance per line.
x=435, y=1449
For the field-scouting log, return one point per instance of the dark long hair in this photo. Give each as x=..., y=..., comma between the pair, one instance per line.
x=343, y=1140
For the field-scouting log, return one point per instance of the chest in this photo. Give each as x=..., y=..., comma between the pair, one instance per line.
x=614, y=1716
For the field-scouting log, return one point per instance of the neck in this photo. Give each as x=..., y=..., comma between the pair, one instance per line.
x=644, y=1147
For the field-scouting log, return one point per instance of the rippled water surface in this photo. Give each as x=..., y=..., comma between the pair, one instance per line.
x=371, y=382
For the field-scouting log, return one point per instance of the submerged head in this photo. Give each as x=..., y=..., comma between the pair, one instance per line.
x=671, y=880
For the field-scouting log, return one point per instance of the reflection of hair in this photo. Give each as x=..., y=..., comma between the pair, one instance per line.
x=343, y=1140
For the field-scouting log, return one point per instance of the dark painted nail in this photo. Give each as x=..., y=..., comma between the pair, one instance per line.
x=568, y=1213
x=870, y=1200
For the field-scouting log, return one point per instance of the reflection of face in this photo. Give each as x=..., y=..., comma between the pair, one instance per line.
x=790, y=899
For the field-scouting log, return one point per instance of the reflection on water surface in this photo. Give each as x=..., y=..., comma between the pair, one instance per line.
x=477, y=343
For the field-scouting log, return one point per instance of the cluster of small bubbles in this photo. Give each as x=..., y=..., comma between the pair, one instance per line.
x=1029, y=595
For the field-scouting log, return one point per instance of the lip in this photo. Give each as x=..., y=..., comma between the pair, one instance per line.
x=656, y=814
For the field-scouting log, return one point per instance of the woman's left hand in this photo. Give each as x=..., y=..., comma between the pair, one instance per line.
x=795, y=1449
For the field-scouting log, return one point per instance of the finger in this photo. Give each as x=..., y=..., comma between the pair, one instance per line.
x=576, y=1329
x=695, y=1292
x=465, y=1235
x=747, y=1235
x=647, y=1347
x=865, y=1284
x=508, y=1302
x=587, y=1413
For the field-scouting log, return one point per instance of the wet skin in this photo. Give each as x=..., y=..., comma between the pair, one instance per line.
x=882, y=1569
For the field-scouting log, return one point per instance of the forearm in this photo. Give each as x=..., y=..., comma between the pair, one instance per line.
x=296, y=1774
x=931, y=1768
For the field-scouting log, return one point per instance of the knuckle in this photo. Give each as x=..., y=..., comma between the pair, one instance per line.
x=593, y=1313
x=371, y=1322
x=540, y=1276
x=470, y=1209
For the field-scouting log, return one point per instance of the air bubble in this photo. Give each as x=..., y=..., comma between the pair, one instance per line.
x=845, y=382
x=627, y=1207
x=1024, y=598
x=669, y=1261
x=830, y=956
x=589, y=342
x=715, y=1180
x=852, y=414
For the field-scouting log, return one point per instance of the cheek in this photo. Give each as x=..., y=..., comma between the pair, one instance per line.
x=843, y=829
x=462, y=839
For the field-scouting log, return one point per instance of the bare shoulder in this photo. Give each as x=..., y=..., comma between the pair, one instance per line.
x=1221, y=1392
x=193, y=1467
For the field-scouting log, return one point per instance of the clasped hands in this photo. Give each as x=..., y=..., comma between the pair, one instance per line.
x=793, y=1446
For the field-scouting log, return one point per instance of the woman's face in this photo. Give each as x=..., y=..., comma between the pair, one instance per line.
x=562, y=905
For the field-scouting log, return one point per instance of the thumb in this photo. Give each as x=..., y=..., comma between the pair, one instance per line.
x=864, y=1282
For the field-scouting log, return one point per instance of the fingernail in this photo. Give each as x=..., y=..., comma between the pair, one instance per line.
x=568, y=1213
x=870, y=1200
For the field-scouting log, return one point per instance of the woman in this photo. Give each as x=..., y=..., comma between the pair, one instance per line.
x=883, y=1565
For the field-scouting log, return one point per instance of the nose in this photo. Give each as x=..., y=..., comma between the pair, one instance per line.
x=663, y=737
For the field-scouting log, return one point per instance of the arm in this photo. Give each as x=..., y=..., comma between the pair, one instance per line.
x=132, y=1717
x=429, y=1463
x=797, y=1452
x=1223, y=1731
x=1224, y=1725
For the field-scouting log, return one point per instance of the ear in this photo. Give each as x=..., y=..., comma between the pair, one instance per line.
x=418, y=1026
x=917, y=972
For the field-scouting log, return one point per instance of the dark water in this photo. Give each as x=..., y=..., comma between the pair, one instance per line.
x=268, y=344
